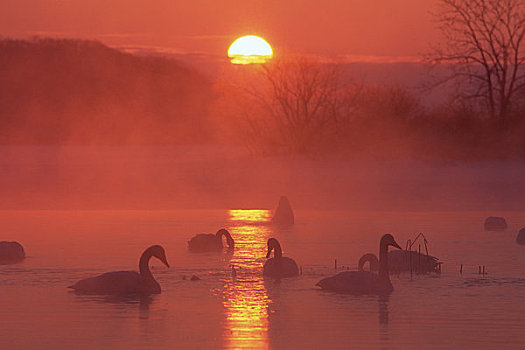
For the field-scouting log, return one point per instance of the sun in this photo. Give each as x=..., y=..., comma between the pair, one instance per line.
x=250, y=49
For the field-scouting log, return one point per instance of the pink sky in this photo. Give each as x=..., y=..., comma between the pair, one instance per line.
x=321, y=27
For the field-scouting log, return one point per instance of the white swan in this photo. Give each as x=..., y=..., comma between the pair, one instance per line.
x=363, y=282
x=207, y=242
x=403, y=261
x=279, y=265
x=125, y=282
x=11, y=253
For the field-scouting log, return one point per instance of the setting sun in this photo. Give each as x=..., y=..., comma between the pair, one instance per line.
x=250, y=49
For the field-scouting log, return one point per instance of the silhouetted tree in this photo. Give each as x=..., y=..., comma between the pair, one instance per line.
x=484, y=47
x=300, y=101
x=377, y=120
x=60, y=91
x=304, y=106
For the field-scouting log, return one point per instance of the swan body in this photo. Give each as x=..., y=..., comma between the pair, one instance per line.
x=11, y=253
x=207, y=242
x=363, y=282
x=283, y=214
x=406, y=260
x=495, y=223
x=520, y=239
x=403, y=261
x=125, y=282
x=282, y=267
x=356, y=282
x=279, y=266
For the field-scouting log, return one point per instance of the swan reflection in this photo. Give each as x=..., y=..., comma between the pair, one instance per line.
x=384, y=335
x=245, y=298
x=123, y=302
x=383, y=309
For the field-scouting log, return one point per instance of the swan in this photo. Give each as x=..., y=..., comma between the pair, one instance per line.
x=403, y=261
x=207, y=242
x=11, y=253
x=495, y=223
x=363, y=282
x=283, y=214
x=279, y=265
x=125, y=282
x=520, y=239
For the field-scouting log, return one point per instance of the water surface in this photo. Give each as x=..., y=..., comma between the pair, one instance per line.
x=246, y=311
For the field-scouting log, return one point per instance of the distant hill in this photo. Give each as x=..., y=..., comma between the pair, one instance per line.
x=66, y=91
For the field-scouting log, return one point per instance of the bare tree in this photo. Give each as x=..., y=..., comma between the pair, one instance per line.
x=484, y=47
x=300, y=102
x=305, y=106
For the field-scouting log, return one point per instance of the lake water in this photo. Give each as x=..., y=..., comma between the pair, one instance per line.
x=450, y=310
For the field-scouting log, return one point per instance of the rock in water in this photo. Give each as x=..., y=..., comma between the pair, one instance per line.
x=495, y=223
x=284, y=214
x=521, y=237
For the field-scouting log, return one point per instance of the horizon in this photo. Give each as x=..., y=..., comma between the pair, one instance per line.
x=399, y=30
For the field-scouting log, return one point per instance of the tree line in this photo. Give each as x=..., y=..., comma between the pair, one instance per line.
x=302, y=106
x=68, y=91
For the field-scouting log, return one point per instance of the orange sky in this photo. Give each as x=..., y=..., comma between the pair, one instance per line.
x=324, y=27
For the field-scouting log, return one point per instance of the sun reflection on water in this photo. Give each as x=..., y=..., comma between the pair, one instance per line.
x=245, y=298
x=260, y=216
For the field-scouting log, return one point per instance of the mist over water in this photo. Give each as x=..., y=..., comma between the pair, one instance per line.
x=192, y=177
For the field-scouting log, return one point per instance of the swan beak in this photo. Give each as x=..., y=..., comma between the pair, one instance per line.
x=394, y=244
x=269, y=253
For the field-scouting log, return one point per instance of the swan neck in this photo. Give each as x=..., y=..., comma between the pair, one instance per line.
x=372, y=261
x=383, y=263
x=229, y=239
x=225, y=233
x=278, y=252
x=144, y=265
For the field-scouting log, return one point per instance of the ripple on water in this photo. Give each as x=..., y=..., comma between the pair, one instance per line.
x=248, y=311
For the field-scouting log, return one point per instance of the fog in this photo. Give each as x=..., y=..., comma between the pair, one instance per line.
x=89, y=127
x=192, y=177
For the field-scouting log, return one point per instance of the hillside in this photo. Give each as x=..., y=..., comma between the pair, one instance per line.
x=66, y=91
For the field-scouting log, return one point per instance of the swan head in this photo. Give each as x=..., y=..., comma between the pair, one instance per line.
x=158, y=252
x=388, y=240
x=272, y=244
x=284, y=201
